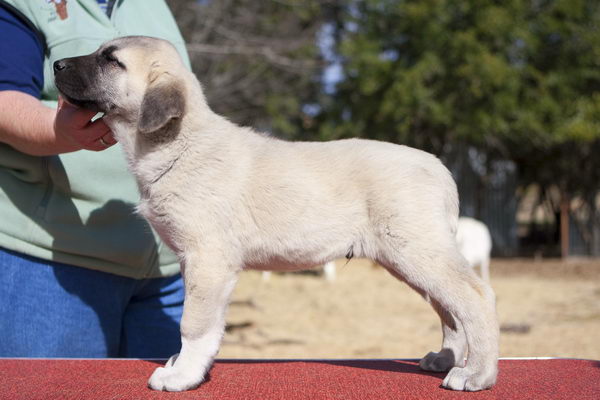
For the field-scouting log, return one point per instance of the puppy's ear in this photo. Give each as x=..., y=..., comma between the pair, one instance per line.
x=163, y=103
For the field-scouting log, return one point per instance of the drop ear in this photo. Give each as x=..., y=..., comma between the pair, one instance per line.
x=163, y=102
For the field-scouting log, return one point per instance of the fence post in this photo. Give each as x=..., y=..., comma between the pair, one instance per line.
x=564, y=225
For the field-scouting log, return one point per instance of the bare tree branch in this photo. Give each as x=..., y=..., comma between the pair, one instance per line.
x=295, y=65
x=250, y=56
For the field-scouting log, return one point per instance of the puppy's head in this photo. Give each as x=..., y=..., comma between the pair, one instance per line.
x=137, y=79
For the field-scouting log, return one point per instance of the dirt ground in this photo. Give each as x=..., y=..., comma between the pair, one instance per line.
x=546, y=309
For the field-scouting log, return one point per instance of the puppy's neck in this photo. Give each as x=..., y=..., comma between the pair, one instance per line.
x=150, y=159
x=199, y=131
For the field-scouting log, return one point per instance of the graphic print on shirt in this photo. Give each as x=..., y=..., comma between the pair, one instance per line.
x=60, y=8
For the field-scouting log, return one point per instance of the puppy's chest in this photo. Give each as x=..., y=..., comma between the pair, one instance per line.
x=162, y=211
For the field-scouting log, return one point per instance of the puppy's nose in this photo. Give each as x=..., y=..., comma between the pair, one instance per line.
x=60, y=65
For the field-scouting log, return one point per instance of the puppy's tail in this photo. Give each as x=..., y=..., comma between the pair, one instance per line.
x=451, y=201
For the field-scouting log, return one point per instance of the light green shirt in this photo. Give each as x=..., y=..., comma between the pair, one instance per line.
x=78, y=208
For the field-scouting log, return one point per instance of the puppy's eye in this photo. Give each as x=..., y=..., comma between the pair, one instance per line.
x=108, y=55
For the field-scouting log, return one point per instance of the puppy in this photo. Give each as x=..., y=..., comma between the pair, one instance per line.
x=226, y=198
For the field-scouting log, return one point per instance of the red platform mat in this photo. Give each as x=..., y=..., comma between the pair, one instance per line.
x=293, y=379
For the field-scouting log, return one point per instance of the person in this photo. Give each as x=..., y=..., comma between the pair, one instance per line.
x=82, y=275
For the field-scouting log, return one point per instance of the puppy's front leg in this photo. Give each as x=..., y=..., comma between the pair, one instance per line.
x=209, y=281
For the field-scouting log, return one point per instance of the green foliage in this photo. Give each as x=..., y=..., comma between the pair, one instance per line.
x=518, y=79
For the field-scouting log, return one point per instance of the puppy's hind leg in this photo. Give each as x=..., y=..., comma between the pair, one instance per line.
x=454, y=344
x=438, y=272
x=209, y=280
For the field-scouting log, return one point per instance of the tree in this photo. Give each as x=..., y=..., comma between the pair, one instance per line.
x=258, y=61
x=516, y=79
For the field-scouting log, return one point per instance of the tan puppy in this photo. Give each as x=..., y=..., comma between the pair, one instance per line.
x=225, y=198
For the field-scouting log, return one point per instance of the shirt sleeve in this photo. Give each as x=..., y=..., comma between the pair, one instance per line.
x=21, y=56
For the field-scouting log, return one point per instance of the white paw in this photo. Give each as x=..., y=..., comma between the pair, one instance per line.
x=171, y=379
x=468, y=380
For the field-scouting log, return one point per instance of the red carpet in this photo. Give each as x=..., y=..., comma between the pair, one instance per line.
x=290, y=380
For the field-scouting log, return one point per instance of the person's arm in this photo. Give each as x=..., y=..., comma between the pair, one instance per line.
x=32, y=128
x=25, y=123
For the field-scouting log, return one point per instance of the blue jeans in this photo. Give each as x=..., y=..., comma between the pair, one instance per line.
x=48, y=309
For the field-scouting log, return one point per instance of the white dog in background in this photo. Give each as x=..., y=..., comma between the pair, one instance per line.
x=475, y=244
x=225, y=198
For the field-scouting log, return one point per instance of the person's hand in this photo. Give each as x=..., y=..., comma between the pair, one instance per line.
x=72, y=124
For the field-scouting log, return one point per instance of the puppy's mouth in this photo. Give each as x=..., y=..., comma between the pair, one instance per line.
x=87, y=104
x=80, y=97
